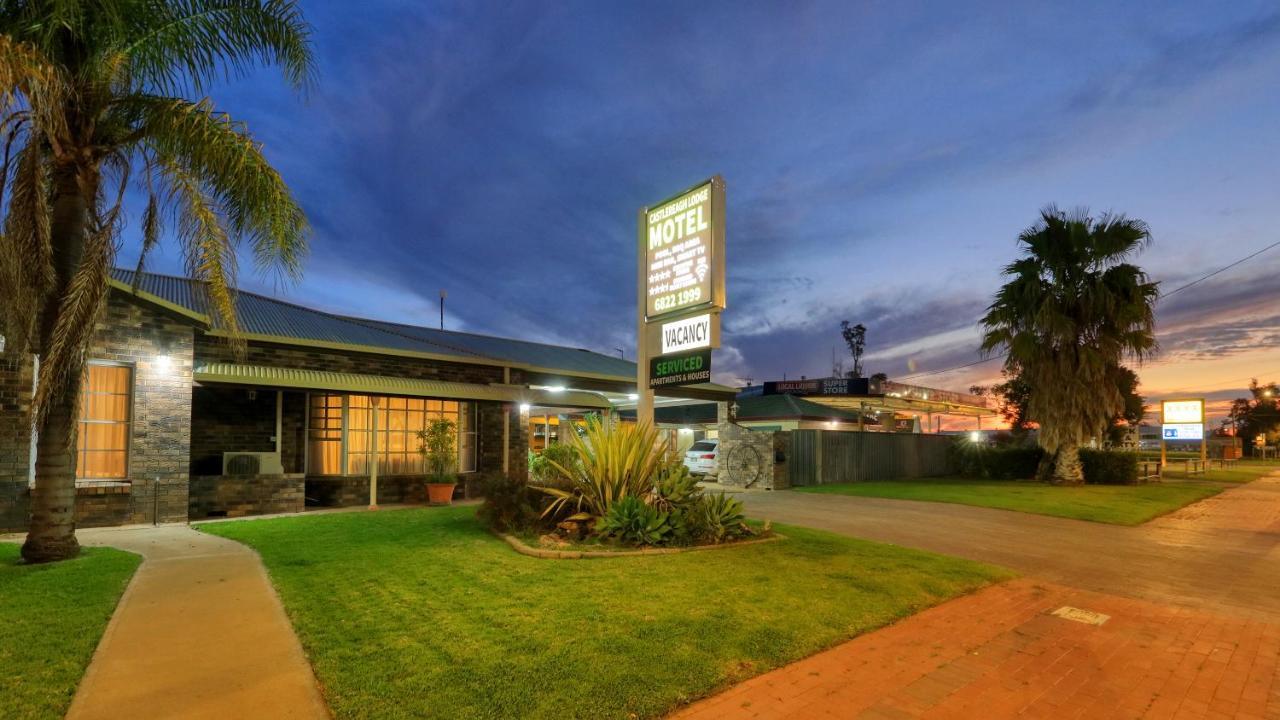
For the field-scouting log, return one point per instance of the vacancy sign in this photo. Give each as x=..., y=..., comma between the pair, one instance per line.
x=688, y=334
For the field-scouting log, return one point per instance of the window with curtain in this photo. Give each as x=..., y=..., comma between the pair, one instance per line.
x=324, y=435
x=400, y=420
x=102, y=444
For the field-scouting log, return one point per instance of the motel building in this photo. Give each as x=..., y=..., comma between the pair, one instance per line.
x=320, y=410
x=833, y=404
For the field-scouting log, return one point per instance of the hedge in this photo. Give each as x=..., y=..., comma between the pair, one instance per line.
x=1101, y=467
x=1109, y=467
x=996, y=463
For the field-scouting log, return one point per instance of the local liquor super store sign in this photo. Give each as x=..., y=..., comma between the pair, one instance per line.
x=682, y=278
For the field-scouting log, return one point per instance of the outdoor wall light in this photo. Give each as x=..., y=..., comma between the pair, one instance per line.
x=975, y=436
x=163, y=363
x=524, y=407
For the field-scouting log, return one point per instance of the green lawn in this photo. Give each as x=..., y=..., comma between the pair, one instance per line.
x=1242, y=472
x=1117, y=504
x=424, y=614
x=51, y=617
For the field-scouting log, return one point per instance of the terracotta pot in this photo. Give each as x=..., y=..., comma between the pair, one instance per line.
x=440, y=493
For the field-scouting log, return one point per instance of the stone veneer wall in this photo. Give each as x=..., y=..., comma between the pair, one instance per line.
x=242, y=495
x=768, y=445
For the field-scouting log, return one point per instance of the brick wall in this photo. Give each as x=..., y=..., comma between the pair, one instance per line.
x=229, y=420
x=241, y=495
x=15, y=439
x=293, y=419
x=135, y=333
x=352, y=490
x=489, y=453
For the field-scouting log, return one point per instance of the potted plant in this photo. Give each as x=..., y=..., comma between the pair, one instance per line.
x=440, y=450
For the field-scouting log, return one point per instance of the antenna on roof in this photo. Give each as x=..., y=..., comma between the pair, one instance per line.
x=621, y=353
x=443, y=295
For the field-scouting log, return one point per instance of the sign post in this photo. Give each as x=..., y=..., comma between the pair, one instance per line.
x=1181, y=420
x=679, y=290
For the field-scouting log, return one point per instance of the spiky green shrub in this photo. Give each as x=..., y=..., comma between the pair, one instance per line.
x=633, y=522
x=610, y=462
x=723, y=518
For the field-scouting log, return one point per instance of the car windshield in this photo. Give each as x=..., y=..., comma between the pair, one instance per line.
x=702, y=446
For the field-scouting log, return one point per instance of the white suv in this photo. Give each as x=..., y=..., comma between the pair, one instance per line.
x=702, y=456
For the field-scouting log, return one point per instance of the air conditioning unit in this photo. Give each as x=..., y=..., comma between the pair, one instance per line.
x=251, y=463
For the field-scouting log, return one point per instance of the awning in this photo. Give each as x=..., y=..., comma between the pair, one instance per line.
x=277, y=377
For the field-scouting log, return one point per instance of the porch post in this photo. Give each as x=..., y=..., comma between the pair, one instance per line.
x=373, y=459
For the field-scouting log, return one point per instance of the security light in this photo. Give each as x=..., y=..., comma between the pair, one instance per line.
x=975, y=436
x=524, y=407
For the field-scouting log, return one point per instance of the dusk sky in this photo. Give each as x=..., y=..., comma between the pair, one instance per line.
x=880, y=160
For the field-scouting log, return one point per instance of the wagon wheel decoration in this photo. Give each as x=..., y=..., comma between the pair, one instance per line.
x=744, y=465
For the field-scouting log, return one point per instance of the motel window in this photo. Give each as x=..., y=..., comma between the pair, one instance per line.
x=102, y=443
x=399, y=420
x=324, y=435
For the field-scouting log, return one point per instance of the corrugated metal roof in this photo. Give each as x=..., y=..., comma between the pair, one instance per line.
x=278, y=377
x=265, y=316
x=761, y=407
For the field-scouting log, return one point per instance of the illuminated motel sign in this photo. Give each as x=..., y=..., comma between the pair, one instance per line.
x=1181, y=420
x=681, y=289
x=684, y=252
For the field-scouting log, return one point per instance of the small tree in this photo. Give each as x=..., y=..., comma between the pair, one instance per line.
x=440, y=450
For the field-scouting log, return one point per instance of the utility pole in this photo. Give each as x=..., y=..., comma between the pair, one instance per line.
x=443, y=295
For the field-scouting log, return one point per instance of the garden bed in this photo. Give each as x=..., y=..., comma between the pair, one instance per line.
x=587, y=550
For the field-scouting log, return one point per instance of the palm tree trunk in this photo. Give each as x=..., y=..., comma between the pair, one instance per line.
x=1067, y=469
x=52, y=535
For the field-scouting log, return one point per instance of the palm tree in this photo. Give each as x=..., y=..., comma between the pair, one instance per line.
x=92, y=98
x=1072, y=310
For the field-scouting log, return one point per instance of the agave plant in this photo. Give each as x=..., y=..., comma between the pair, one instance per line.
x=723, y=517
x=612, y=462
x=635, y=523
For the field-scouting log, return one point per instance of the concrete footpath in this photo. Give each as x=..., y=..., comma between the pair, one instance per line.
x=199, y=633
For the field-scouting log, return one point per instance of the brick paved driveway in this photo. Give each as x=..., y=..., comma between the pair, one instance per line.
x=1193, y=627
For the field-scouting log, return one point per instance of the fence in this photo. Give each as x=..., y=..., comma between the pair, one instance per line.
x=821, y=457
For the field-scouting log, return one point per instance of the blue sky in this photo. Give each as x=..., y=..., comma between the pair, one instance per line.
x=880, y=159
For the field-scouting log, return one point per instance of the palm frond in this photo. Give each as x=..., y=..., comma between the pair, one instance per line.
x=64, y=350
x=221, y=155
x=26, y=252
x=206, y=246
x=190, y=44
x=28, y=81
